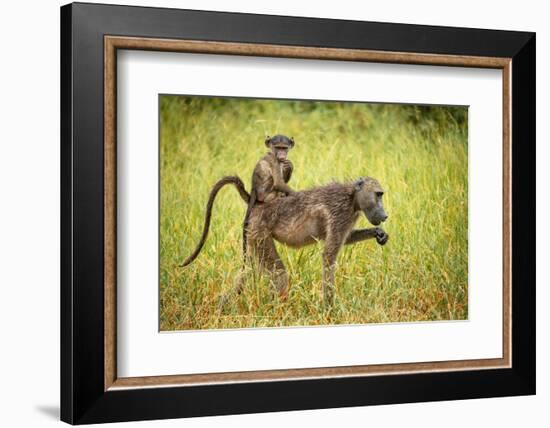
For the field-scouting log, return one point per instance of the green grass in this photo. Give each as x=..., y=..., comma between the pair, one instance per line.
x=419, y=155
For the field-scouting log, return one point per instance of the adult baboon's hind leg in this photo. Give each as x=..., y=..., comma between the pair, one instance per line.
x=269, y=260
x=263, y=254
x=240, y=281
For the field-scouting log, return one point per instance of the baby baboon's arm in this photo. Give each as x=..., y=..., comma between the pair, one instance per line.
x=261, y=180
x=288, y=168
x=358, y=235
x=268, y=177
x=281, y=174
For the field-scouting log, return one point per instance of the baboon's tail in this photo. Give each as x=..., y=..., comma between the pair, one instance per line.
x=237, y=182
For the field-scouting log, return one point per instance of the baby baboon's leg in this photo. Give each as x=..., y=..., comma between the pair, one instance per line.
x=268, y=259
x=333, y=244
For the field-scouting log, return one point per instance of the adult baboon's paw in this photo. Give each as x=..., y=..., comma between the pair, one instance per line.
x=381, y=236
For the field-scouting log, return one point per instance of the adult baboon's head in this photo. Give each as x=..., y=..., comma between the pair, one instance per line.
x=368, y=198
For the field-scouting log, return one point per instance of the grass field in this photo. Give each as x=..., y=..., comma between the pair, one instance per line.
x=419, y=155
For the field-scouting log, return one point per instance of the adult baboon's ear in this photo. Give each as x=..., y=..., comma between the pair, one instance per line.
x=291, y=142
x=267, y=141
x=358, y=185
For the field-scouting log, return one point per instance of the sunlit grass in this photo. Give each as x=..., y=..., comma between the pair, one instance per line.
x=419, y=157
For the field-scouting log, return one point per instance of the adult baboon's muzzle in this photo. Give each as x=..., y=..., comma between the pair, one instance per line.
x=377, y=218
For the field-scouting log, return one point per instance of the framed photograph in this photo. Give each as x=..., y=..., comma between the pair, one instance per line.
x=265, y=213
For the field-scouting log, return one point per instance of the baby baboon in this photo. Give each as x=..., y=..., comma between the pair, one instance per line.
x=270, y=177
x=325, y=213
x=273, y=171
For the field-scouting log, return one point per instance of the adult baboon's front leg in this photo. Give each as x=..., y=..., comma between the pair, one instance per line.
x=330, y=253
x=358, y=235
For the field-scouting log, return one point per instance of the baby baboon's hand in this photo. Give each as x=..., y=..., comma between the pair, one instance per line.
x=381, y=236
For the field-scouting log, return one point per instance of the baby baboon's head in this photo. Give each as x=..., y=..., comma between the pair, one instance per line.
x=368, y=198
x=280, y=146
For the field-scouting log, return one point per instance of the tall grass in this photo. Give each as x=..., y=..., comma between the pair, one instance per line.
x=419, y=155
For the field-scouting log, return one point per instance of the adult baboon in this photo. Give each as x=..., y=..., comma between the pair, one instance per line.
x=325, y=213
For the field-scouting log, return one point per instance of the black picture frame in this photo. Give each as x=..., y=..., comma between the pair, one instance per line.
x=83, y=398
